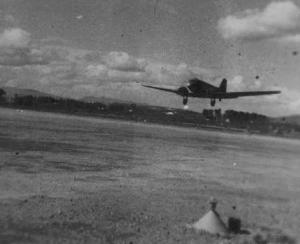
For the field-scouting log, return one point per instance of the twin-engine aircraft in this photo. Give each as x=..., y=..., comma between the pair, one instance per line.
x=201, y=89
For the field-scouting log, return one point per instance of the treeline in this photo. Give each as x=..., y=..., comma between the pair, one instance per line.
x=55, y=104
x=251, y=122
x=260, y=123
x=126, y=111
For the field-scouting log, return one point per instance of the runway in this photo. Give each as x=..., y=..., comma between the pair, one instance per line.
x=73, y=179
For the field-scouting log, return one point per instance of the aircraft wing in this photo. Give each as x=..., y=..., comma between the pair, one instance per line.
x=244, y=94
x=161, y=88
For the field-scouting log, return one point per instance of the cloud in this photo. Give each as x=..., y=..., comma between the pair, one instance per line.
x=286, y=103
x=294, y=106
x=290, y=39
x=96, y=70
x=123, y=61
x=125, y=77
x=14, y=38
x=276, y=20
x=21, y=57
x=175, y=75
x=238, y=83
x=94, y=67
x=7, y=20
x=104, y=74
x=76, y=76
x=93, y=57
x=15, y=49
x=122, y=67
x=70, y=67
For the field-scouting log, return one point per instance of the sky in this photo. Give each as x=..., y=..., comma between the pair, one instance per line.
x=78, y=48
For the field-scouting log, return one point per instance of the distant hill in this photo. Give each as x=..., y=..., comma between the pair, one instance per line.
x=104, y=100
x=12, y=91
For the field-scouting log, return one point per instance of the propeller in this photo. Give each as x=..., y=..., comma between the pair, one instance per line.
x=183, y=91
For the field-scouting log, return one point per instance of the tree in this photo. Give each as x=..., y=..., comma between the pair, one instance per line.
x=2, y=93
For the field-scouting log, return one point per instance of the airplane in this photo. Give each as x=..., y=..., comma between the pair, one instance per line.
x=201, y=89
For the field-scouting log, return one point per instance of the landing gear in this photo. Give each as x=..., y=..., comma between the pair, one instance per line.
x=185, y=100
x=212, y=102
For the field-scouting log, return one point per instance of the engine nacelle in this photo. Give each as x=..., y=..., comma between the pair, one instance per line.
x=183, y=91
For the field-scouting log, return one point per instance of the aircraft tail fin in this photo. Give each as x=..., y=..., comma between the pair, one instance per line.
x=223, y=86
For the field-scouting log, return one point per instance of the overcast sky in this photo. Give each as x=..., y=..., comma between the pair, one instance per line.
x=82, y=48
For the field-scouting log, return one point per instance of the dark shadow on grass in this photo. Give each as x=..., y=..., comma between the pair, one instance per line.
x=61, y=166
x=22, y=145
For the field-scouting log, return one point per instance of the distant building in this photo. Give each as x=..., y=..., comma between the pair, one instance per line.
x=208, y=114
x=213, y=115
x=218, y=115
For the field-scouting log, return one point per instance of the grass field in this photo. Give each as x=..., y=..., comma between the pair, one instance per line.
x=67, y=179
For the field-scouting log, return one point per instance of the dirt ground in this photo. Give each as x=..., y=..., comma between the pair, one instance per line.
x=67, y=179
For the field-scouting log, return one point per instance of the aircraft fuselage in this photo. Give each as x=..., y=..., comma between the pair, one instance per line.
x=202, y=89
